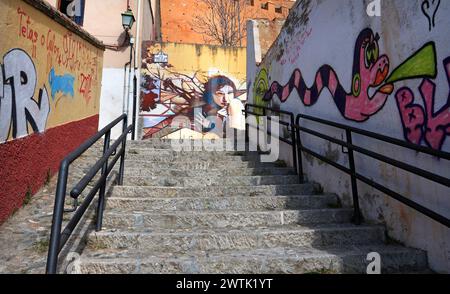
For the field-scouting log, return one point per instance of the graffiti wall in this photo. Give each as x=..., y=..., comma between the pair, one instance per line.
x=202, y=86
x=388, y=74
x=49, y=86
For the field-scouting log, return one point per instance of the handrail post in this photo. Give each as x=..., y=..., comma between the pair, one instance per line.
x=133, y=135
x=101, y=197
x=294, y=144
x=246, y=128
x=301, y=176
x=58, y=211
x=357, y=216
x=266, y=122
x=122, y=158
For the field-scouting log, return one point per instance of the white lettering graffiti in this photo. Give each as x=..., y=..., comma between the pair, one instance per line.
x=18, y=79
x=374, y=8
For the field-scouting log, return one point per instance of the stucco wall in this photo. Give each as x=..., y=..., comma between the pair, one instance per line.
x=178, y=25
x=178, y=87
x=50, y=88
x=332, y=61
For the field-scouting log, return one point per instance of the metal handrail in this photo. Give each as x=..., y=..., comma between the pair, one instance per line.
x=57, y=238
x=351, y=169
x=289, y=124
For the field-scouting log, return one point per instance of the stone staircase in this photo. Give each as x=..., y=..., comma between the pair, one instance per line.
x=224, y=212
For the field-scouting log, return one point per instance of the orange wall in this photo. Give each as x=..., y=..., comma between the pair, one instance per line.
x=177, y=17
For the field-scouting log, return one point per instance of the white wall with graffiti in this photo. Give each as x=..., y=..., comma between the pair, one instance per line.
x=389, y=74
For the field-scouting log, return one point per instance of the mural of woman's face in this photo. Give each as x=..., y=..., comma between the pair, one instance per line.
x=224, y=95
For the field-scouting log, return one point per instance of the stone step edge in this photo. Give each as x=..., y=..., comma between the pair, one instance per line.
x=202, y=188
x=280, y=253
x=230, y=212
x=249, y=230
x=244, y=197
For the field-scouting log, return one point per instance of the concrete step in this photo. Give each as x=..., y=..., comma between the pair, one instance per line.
x=151, y=143
x=160, y=145
x=196, y=164
x=127, y=204
x=195, y=181
x=201, y=153
x=148, y=142
x=192, y=156
x=140, y=172
x=186, y=241
x=224, y=219
x=300, y=260
x=169, y=144
x=215, y=191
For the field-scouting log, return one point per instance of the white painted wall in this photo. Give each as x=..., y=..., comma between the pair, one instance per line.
x=403, y=29
x=112, y=102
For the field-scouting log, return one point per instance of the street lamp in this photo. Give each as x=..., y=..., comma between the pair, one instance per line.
x=128, y=19
x=127, y=23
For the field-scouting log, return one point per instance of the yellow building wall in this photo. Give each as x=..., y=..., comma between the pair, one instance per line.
x=177, y=87
x=202, y=58
x=66, y=70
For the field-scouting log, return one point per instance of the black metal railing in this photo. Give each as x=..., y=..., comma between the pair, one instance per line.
x=264, y=113
x=351, y=169
x=57, y=238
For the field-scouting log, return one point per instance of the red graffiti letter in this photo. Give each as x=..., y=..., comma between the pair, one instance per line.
x=412, y=115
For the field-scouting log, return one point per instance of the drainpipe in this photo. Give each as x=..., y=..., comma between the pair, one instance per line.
x=128, y=78
x=125, y=88
x=129, y=75
x=136, y=78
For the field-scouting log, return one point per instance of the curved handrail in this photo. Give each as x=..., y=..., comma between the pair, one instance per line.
x=57, y=238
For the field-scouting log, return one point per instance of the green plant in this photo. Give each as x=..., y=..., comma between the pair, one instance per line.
x=15, y=210
x=322, y=271
x=96, y=245
x=334, y=205
x=41, y=246
x=392, y=241
x=28, y=196
x=318, y=188
x=280, y=163
x=48, y=178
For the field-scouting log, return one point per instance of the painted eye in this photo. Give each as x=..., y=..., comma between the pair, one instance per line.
x=371, y=54
x=367, y=57
x=376, y=53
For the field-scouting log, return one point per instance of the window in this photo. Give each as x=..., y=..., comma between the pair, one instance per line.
x=265, y=6
x=74, y=9
x=251, y=2
x=279, y=9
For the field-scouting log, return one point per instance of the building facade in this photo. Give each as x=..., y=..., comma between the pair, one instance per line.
x=177, y=24
x=103, y=20
x=50, y=83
